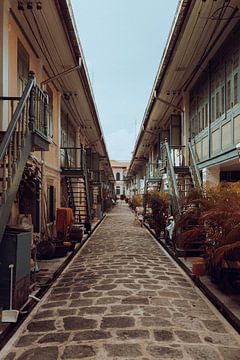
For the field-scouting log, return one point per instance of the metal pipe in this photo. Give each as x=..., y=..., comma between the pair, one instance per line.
x=168, y=103
x=62, y=73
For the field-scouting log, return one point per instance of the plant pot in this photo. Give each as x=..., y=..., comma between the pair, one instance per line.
x=199, y=267
x=76, y=233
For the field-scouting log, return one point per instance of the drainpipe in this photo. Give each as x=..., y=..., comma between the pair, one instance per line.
x=209, y=110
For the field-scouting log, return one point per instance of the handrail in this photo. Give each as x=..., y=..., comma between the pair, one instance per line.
x=171, y=176
x=18, y=112
x=197, y=182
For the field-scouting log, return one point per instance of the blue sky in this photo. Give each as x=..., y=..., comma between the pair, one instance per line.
x=123, y=42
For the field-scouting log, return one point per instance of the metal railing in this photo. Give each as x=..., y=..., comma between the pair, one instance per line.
x=178, y=156
x=153, y=171
x=26, y=117
x=171, y=177
x=96, y=176
x=196, y=178
x=25, y=120
x=73, y=157
x=41, y=110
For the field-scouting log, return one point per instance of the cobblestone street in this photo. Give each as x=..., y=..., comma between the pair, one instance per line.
x=123, y=297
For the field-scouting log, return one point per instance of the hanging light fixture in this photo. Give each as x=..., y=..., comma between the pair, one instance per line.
x=39, y=5
x=29, y=5
x=20, y=5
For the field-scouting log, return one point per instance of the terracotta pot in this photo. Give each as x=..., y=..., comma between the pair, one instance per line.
x=199, y=267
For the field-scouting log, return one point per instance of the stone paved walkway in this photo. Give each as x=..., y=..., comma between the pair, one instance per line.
x=122, y=297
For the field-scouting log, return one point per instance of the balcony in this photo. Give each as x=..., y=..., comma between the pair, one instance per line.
x=153, y=171
x=73, y=160
x=34, y=114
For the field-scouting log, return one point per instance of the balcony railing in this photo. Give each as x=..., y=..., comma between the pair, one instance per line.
x=176, y=154
x=153, y=171
x=95, y=176
x=73, y=158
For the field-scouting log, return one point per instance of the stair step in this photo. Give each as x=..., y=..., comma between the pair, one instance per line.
x=182, y=170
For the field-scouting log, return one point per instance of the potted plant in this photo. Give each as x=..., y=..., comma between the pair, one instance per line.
x=158, y=202
x=214, y=215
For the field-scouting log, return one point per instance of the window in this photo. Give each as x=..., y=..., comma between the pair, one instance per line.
x=228, y=97
x=118, y=176
x=213, y=110
x=235, y=95
x=206, y=115
x=118, y=190
x=223, y=99
x=22, y=67
x=203, y=118
x=51, y=203
x=217, y=106
x=199, y=121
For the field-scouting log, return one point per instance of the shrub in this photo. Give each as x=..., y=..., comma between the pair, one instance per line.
x=214, y=215
x=137, y=201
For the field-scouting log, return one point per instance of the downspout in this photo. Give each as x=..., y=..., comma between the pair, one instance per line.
x=209, y=110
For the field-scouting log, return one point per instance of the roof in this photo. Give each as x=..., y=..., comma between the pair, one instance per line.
x=194, y=38
x=119, y=164
x=52, y=35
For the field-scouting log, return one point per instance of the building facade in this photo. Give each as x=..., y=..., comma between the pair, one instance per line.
x=52, y=151
x=120, y=171
x=191, y=126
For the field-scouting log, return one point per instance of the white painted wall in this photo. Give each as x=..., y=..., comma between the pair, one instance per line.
x=120, y=184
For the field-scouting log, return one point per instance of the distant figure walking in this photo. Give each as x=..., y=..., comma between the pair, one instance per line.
x=170, y=228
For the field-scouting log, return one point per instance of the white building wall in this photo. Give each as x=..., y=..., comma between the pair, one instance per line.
x=120, y=186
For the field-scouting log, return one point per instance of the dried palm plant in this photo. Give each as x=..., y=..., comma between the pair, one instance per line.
x=213, y=214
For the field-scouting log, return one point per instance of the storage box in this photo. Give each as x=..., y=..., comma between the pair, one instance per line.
x=15, y=249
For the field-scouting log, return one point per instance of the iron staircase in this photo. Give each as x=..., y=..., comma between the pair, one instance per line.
x=182, y=177
x=74, y=170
